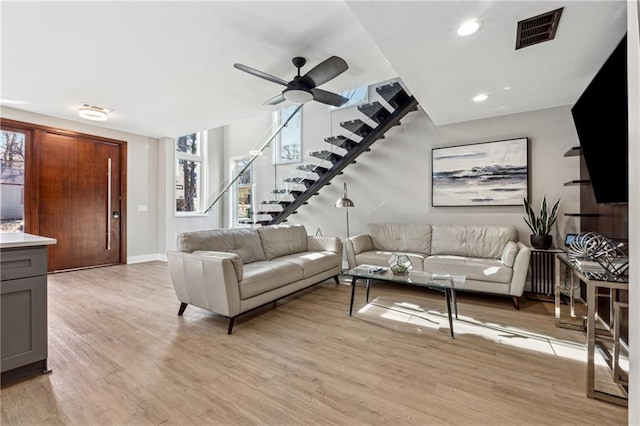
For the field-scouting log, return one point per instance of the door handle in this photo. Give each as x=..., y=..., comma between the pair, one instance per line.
x=108, y=203
x=116, y=214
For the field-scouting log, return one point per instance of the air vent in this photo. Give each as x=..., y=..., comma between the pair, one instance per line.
x=538, y=29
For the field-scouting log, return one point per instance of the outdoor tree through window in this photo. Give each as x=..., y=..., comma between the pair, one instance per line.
x=12, y=181
x=189, y=172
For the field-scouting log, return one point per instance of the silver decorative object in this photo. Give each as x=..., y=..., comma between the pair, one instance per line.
x=591, y=246
x=400, y=264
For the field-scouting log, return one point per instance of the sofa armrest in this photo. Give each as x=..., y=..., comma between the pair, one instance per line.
x=235, y=259
x=319, y=243
x=356, y=245
x=520, y=269
x=206, y=281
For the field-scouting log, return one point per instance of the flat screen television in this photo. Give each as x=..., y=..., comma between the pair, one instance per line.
x=601, y=119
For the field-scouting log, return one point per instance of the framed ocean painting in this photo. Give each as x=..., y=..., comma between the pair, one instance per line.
x=482, y=174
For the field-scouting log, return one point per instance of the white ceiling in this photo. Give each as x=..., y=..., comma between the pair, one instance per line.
x=445, y=71
x=166, y=68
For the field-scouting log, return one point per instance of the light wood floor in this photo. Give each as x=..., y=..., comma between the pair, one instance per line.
x=121, y=355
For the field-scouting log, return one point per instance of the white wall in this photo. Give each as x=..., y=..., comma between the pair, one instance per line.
x=170, y=224
x=142, y=172
x=392, y=182
x=633, y=49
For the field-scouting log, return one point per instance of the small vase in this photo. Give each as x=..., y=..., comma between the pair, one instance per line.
x=400, y=264
x=542, y=242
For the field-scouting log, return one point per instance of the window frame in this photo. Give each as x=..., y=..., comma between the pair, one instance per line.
x=278, y=120
x=233, y=162
x=202, y=186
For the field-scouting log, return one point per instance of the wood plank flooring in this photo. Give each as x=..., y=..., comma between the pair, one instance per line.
x=121, y=355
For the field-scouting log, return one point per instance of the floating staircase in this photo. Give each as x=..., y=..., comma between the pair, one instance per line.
x=402, y=104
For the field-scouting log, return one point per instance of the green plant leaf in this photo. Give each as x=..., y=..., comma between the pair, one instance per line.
x=540, y=224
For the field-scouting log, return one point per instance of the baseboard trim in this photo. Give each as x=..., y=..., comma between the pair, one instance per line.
x=146, y=258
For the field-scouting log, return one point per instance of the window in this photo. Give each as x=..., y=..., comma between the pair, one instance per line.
x=189, y=174
x=357, y=96
x=289, y=142
x=12, y=181
x=243, y=209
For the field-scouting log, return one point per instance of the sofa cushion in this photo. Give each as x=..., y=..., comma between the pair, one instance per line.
x=405, y=237
x=260, y=277
x=313, y=262
x=474, y=268
x=381, y=258
x=281, y=240
x=361, y=243
x=244, y=242
x=509, y=253
x=486, y=241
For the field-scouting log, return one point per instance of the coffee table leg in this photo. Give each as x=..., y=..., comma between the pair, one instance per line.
x=368, y=282
x=448, y=297
x=353, y=292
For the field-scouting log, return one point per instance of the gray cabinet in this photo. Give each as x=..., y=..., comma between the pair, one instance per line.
x=23, y=312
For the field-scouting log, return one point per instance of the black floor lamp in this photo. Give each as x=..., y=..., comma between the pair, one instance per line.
x=345, y=202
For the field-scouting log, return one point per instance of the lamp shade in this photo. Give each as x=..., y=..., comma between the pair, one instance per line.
x=344, y=202
x=297, y=96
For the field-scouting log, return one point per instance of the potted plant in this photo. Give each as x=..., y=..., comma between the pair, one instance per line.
x=541, y=225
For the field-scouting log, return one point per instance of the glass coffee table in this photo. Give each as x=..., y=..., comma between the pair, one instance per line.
x=445, y=283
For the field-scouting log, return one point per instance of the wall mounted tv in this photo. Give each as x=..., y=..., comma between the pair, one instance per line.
x=601, y=119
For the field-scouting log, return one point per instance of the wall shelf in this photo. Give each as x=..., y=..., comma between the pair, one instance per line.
x=582, y=214
x=578, y=182
x=573, y=152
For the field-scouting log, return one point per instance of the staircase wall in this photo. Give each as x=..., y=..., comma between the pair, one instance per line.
x=392, y=182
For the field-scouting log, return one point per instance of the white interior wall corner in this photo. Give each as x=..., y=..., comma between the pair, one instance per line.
x=633, y=72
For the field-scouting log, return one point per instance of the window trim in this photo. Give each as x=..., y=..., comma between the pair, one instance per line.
x=202, y=185
x=277, y=121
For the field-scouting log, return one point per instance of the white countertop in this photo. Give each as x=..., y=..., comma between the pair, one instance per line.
x=19, y=239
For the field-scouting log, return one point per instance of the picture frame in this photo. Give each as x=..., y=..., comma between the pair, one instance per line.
x=482, y=174
x=289, y=141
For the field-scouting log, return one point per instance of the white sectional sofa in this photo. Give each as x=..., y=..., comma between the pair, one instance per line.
x=232, y=271
x=490, y=256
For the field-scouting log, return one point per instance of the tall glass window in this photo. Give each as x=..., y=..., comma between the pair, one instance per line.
x=289, y=142
x=189, y=174
x=244, y=212
x=12, y=147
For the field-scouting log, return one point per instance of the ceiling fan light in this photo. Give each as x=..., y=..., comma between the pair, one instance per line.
x=298, y=96
x=94, y=113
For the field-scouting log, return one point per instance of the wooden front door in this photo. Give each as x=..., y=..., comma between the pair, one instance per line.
x=78, y=195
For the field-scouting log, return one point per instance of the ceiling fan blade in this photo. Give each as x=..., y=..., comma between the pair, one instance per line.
x=328, y=97
x=324, y=71
x=275, y=100
x=260, y=74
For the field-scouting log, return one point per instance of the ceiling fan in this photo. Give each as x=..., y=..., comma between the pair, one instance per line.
x=304, y=88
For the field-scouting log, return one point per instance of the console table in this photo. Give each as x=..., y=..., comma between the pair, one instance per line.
x=595, y=337
x=23, y=296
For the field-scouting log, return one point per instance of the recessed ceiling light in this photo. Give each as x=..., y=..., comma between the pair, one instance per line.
x=95, y=113
x=506, y=88
x=481, y=97
x=469, y=27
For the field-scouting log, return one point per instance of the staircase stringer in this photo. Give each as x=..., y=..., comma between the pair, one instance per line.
x=347, y=159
